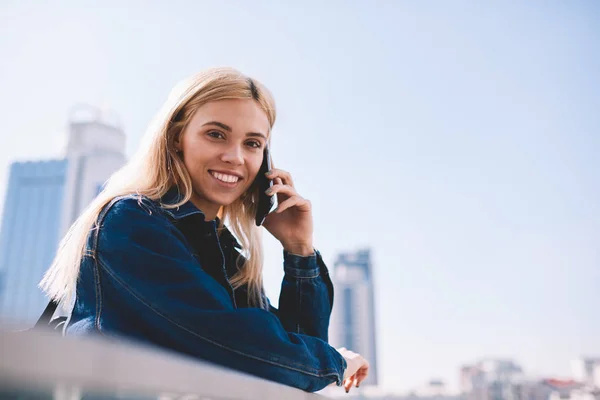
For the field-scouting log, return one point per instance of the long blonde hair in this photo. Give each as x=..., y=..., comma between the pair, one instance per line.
x=156, y=167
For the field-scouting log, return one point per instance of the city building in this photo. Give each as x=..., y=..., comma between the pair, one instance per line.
x=549, y=388
x=492, y=379
x=29, y=234
x=42, y=200
x=353, y=316
x=432, y=389
x=504, y=380
x=587, y=371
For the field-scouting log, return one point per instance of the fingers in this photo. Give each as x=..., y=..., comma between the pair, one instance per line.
x=297, y=201
x=288, y=197
x=282, y=191
x=357, y=369
x=356, y=379
x=284, y=176
x=348, y=384
x=361, y=375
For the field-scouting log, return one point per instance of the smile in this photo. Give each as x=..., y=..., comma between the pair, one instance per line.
x=225, y=178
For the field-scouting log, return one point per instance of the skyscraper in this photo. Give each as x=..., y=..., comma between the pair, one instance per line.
x=43, y=199
x=353, y=316
x=29, y=234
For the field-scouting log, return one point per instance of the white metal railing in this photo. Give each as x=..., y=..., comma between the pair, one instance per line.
x=64, y=368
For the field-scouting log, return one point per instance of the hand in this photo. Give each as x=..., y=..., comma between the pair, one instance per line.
x=357, y=368
x=291, y=222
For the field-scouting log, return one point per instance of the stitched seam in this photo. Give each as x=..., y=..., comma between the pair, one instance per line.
x=98, y=295
x=316, y=373
x=293, y=275
x=100, y=219
x=181, y=215
x=133, y=293
x=225, y=270
x=326, y=278
x=95, y=238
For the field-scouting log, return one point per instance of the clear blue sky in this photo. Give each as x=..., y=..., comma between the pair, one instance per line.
x=459, y=140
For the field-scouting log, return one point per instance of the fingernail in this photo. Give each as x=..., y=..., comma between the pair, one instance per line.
x=269, y=191
x=268, y=173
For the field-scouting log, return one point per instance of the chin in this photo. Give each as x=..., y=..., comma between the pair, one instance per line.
x=223, y=202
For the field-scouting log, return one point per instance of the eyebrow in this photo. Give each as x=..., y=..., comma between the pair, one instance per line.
x=228, y=129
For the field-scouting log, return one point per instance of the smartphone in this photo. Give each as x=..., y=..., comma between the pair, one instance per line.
x=265, y=202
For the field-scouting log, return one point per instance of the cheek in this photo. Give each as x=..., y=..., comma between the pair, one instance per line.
x=194, y=157
x=254, y=168
x=188, y=161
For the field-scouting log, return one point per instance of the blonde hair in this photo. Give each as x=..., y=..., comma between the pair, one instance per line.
x=156, y=167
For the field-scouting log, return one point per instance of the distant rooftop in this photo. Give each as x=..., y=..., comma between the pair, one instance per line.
x=561, y=383
x=85, y=114
x=359, y=258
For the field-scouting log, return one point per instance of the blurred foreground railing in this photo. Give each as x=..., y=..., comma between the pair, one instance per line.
x=44, y=365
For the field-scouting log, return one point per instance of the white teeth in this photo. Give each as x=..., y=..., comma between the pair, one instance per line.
x=225, y=178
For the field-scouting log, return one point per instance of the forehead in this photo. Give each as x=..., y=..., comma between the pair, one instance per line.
x=242, y=115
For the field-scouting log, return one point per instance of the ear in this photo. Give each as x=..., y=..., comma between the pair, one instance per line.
x=177, y=143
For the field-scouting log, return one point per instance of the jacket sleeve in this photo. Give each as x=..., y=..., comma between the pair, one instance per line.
x=306, y=296
x=148, y=276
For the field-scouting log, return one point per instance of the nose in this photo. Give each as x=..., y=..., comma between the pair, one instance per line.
x=233, y=155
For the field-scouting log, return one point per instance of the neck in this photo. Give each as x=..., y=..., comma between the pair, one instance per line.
x=209, y=210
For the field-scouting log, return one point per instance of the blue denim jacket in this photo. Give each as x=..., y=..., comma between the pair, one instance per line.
x=161, y=276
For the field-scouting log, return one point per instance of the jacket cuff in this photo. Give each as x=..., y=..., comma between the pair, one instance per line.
x=301, y=267
x=342, y=370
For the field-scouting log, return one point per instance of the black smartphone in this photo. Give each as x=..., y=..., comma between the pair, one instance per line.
x=265, y=202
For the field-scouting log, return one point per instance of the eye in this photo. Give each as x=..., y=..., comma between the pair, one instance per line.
x=216, y=134
x=254, y=144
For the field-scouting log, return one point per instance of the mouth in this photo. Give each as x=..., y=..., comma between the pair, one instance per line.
x=225, y=179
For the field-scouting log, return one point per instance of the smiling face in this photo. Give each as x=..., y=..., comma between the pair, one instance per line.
x=222, y=149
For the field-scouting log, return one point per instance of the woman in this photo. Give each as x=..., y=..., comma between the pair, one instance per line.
x=151, y=258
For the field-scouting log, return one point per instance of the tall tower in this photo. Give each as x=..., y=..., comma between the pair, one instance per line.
x=43, y=199
x=29, y=235
x=353, y=316
x=95, y=150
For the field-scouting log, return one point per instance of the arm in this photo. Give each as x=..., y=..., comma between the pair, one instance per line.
x=306, y=295
x=146, y=272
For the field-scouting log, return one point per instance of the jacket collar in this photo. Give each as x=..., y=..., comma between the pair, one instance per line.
x=174, y=196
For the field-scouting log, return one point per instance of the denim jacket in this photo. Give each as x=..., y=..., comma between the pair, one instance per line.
x=161, y=276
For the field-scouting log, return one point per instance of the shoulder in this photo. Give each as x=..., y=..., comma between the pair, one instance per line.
x=131, y=215
x=129, y=205
x=135, y=226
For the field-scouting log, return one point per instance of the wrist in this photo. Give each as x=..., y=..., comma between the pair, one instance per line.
x=303, y=250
